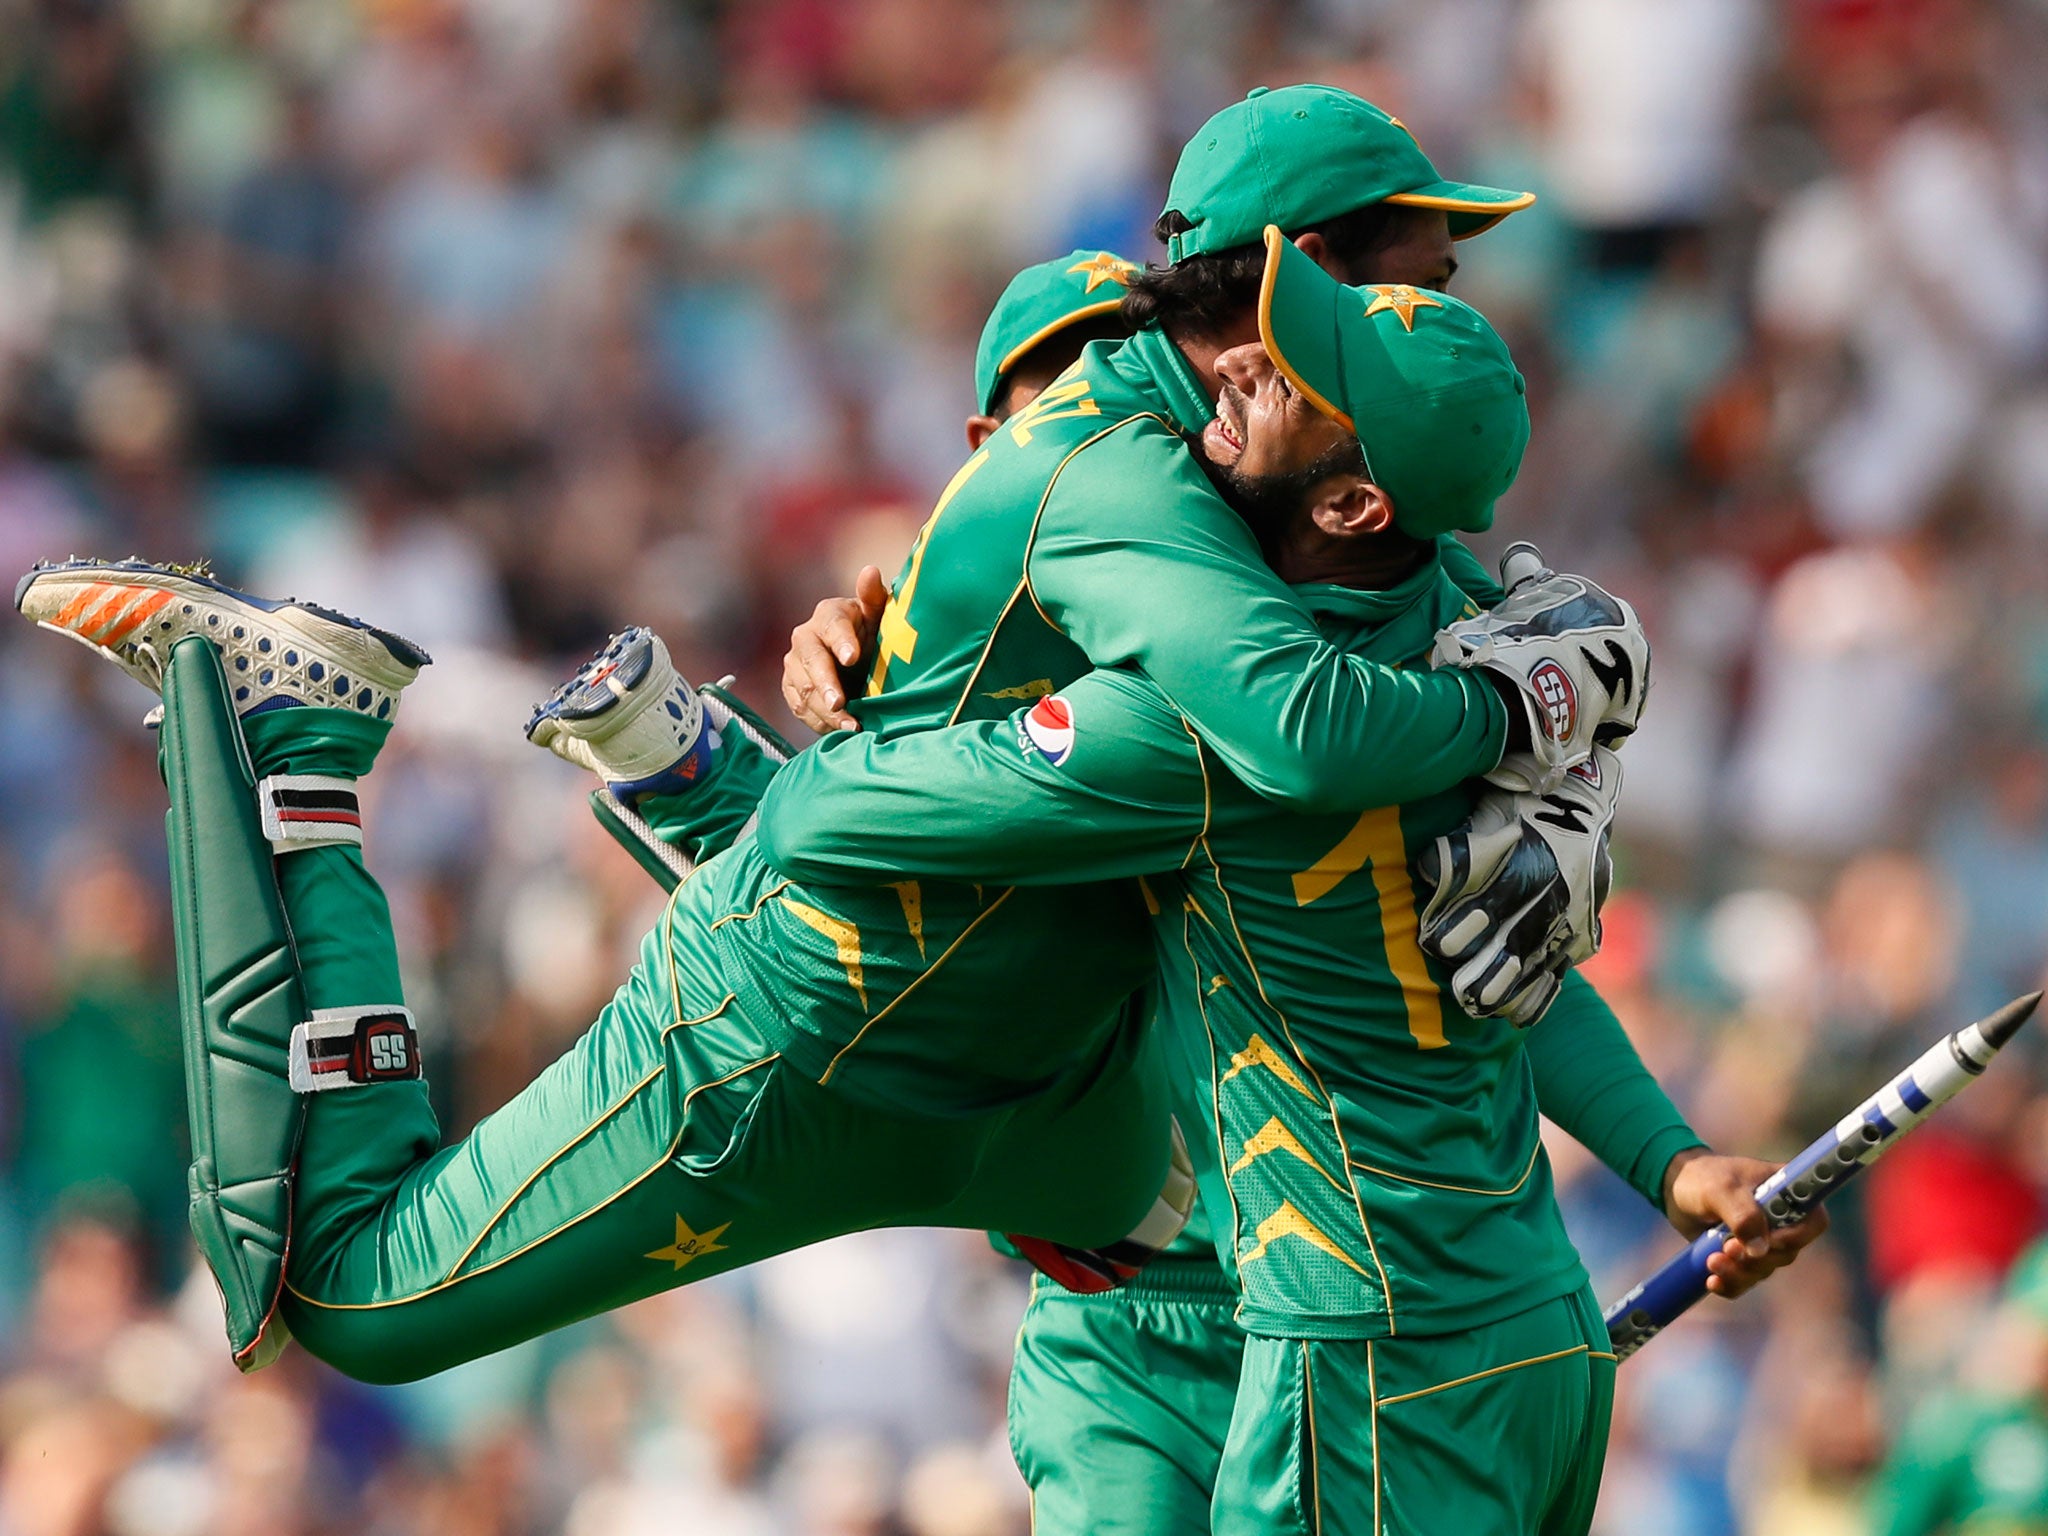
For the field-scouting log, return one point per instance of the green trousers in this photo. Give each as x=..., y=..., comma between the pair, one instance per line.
x=1119, y=1403
x=669, y=1144
x=1498, y=1431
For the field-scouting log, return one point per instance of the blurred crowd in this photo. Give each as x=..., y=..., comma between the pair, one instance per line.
x=503, y=322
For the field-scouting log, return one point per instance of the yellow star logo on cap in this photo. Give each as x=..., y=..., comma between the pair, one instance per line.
x=691, y=1245
x=1402, y=300
x=1104, y=268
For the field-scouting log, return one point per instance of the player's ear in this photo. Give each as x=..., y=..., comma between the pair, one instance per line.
x=1351, y=507
x=1317, y=250
x=979, y=430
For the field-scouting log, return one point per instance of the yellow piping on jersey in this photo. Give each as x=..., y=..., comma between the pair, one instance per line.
x=1024, y=573
x=760, y=901
x=1215, y=1083
x=610, y=1200
x=931, y=970
x=1038, y=517
x=988, y=645
x=1208, y=808
x=1457, y=1189
x=668, y=952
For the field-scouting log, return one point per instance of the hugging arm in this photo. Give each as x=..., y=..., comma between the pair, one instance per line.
x=1172, y=582
x=1100, y=782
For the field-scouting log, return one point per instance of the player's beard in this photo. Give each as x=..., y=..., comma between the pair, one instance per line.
x=1271, y=504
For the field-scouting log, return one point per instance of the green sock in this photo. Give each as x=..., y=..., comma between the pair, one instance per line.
x=340, y=920
x=359, y=1141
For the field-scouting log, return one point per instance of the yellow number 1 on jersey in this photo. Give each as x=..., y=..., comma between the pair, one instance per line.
x=1375, y=842
x=897, y=637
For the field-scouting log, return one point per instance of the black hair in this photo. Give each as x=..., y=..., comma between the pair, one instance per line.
x=1206, y=295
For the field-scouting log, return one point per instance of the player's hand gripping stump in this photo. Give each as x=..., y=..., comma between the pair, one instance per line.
x=1859, y=1139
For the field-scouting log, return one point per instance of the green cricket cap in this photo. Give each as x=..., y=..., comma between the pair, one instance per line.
x=1040, y=302
x=1306, y=153
x=1421, y=378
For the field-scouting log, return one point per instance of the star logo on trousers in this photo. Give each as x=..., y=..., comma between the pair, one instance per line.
x=691, y=1245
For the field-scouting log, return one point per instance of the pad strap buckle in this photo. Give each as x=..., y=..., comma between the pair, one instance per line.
x=309, y=810
x=353, y=1048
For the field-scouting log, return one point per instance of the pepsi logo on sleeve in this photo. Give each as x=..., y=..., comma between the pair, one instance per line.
x=1048, y=728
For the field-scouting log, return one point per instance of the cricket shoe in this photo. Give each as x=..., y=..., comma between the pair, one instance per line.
x=630, y=718
x=1091, y=1271
x=276, y=654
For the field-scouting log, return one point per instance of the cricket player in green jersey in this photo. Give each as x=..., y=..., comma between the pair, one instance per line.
x=1424, y=1354
x=1120, y=1402
x=786, y=1062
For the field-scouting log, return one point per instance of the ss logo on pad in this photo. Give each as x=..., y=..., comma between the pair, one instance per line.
x=384, y=1050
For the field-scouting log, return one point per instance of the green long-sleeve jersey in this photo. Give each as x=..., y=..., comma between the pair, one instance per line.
x=1082, y=534
x=1374, y=1151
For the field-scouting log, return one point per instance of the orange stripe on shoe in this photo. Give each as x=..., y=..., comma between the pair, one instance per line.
x=86, y=599
x=137, y=616
x=96, y=622
x=95, y=625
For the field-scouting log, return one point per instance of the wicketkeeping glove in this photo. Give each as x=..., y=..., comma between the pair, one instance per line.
x=1516, y=892
x=1575, y=656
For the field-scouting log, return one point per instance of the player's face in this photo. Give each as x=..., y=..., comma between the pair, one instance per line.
x=1264, y=427
x=1421, y=255
x=1423, y=258
x=1268, y=449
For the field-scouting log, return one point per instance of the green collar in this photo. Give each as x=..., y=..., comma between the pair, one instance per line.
x=1406, y=615
x=1155, y=364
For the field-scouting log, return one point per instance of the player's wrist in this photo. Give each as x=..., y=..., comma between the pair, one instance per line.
x=1672, y=1169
